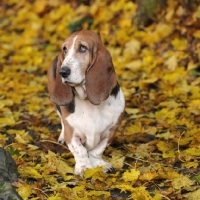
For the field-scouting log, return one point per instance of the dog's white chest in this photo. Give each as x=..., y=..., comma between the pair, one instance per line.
x=91, y=123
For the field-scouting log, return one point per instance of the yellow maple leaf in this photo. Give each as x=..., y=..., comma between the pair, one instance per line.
x=5, y=102
x=62, y=167
x=6, y=121
x=169, y=154
x=91, y=171
x=164, y=146
x=25, y=191
x=190, y=164
x=117, y=159
x=29, y=172
x=182, y=182
x=131, y=175
x=179, y=44
x=148, y=176
x=193, y=195
x=192, y=151
x=141, y=193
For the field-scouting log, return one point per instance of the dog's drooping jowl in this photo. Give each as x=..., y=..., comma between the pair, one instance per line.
x=82, y=83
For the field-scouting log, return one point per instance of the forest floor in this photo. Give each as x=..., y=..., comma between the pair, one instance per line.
x=156, y=151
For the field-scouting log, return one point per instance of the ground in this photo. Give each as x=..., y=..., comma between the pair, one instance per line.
x=156, y=150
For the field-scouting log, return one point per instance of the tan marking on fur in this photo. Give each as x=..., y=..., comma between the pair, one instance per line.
x=68, y=130
x=113, y=130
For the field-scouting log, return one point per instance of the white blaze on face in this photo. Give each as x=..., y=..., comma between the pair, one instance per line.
x=74, y=64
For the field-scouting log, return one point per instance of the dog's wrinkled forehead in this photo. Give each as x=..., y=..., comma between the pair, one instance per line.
x=86, y=36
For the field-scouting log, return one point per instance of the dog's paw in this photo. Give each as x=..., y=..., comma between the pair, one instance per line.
x=61, y=139
x=80, y=168
x=99, y=162
x=108, y=168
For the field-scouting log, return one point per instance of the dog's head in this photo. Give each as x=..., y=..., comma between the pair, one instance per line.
x=83, y=60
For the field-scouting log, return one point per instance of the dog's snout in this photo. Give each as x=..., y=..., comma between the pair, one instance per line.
x=65, y=72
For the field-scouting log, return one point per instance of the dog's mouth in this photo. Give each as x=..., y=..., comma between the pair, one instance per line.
x=74, y=84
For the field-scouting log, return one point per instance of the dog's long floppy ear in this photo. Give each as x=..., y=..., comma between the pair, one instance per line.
x=101, y=77
x=60, y=93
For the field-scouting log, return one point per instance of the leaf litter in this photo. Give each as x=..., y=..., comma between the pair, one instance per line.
x=156, y=151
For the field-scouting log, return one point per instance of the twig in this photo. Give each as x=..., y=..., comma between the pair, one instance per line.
x=47, y=196
x=165, y=197
x=54, y=143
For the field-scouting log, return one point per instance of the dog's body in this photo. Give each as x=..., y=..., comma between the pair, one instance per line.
x=82, y=83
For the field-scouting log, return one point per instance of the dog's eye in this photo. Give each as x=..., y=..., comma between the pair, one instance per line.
x=64, y=49
x=82, y=48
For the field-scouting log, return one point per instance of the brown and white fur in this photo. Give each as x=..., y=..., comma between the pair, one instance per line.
x=82, y=83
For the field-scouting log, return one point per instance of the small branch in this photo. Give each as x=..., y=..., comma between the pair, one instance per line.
x=54, y=143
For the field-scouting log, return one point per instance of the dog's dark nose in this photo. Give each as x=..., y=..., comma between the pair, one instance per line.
x=65, y=72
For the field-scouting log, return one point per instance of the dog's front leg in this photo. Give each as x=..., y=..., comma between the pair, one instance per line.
x=61, y=138
x=95, y=156
x=80, y=154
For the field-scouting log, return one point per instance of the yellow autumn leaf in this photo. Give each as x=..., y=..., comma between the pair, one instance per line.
x=23, y=139
x=162, y=31
x=185, y=140
x=134, y=65
x=133, y=129
x=88, y=173
x=25, y=191
x=169, y=154
x=39, y=6
x=132, y=48
x=149, y=80
x=167, y=135
x=18, y=132
x=192, y=151
x=29, y=172
x=171, y=63
x=99, y=193
x=141, y=193
x=178, y=74
x=191, y=65
x=164, y=146
x=6, y=121
x=131, y=175
x=179, y=44
x=123, y=187
x=148, y=176
x=132, y=111
x=190, y=164
x=117, y=159
x=193, y=195
x=182, y=182
x=78, y=188
x=62, y=167
x=156, y=61
x=3, y=137
x=5, y=102
x=196, y=34
x=32, y=147
x=195, y=103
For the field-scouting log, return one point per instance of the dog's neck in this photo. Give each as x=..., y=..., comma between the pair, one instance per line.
x=81, y=91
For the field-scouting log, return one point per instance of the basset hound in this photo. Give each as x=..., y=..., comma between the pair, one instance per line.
x=82, y=83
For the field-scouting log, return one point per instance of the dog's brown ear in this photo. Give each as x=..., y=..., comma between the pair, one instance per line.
x=60, y=93
x=101, y=77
